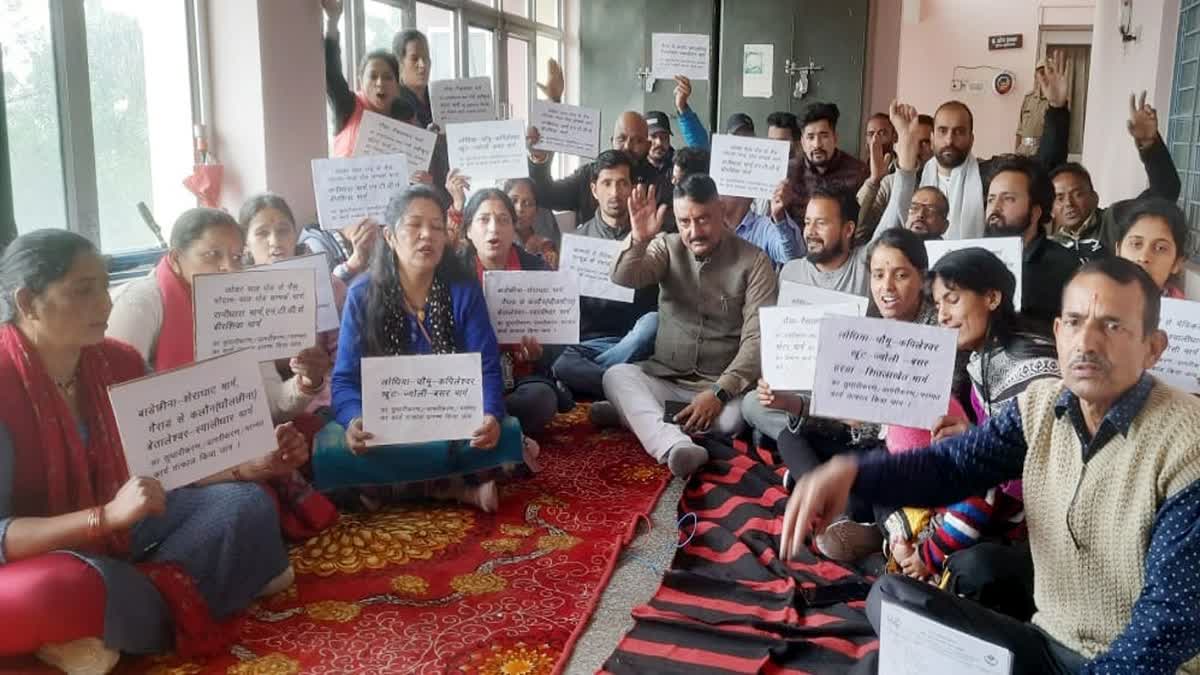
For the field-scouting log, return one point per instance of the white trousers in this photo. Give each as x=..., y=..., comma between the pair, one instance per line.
x=639, y=399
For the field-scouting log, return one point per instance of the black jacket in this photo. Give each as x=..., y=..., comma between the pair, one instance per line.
x=574, y=193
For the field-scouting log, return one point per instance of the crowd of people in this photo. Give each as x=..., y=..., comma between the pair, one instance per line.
x=995, y=505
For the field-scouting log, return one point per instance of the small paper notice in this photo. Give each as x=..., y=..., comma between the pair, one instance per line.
x=910, y=644
x=272, y=313
x=792, y=294
x=466, y=100
x=758, y=68
x=590, y=259
x=488, y=151
x=544, y=305
x=417, y=399
x=883, y=371
x=566, y=128
x=1008, y=249
x=789, y=343
x=748, y=167
x=1179, y=366
x=192, y=422
x=327, y=311
x=382, y=135
x=679, y=54
x=350, y=189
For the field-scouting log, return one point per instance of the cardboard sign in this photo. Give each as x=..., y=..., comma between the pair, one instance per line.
x=566, y=128
x=591, y=258
x=417, y=399
x=272, y=313
x=748, y=167
x=353, y=188
x=789, y=342
x=1010, y=251
x=684, y=54
x=544, y=305
x=327, y=310
x=382, y=135
x=488, y=151
x=465, y=100
x=913, y=644
x=1179, y=365
x=792, y=294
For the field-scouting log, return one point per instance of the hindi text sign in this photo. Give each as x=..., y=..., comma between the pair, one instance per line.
x=789, y=343
x=544, y=305
x=488, y=151
x=684, y=54
x=566, y=128
x=1008, y=249
x=272, y=313
x=1179, y=365
x=382, y=135
x=748, y=167
x=352, y=188
x=590, y=259
x=418, y=399
x=465, y=100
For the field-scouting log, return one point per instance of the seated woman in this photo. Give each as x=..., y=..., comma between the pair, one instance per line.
x=271, y=236
x=1154, y=234
x=537, y=229
x=93, y=561
x=154, y=314
x=380, y=78
x=530, y=394
x=416, y=299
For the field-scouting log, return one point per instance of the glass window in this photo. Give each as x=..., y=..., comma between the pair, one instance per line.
x=547, y=12
x=518, y=7
x=438, y=25
x=141, y=114
x=518, y=78
x=488, y=3
x=35, y=153
x=482, y=55
x=547, y=48
x=381, y=22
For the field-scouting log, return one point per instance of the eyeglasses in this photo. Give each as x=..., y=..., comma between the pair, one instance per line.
x=917, y=207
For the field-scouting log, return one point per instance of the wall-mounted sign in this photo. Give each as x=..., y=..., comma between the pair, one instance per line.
x=1010, y=41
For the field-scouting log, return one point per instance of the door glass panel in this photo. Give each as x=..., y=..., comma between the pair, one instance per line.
x=482, y=55
x=518, y=78
x=438, y=26
x=382, y=22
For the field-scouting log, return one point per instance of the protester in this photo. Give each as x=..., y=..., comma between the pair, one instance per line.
x=775, y=233
x=610, y=332
x=348, y=249
x=926, y=208
x=417, y=300
x=154, y=314
x=833, y=262
x=1109, y=458
x=694, y=133
x=1154, y=234
x=537, y=229
x=74, y=523
x=689, y=161
x=706, y=350
x=660, y=155
x=410, y=48
x=380, y=75
x=740, y=124
x=821, y=164
x=783, y=126
x=1078, y=222
x=876, y=190
x=529, y=391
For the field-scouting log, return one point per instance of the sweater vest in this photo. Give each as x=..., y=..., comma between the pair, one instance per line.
x=1090, y=523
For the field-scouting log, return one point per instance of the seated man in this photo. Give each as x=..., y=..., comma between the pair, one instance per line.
x=689, y=161
x=821, y=165
x=774, y=232
x=876, y=193
x=781, y=126
x=1110, y=461
x=833, y=262
x=926, y=211
x=706, y=353
x=1090, y=231
x=610, y=332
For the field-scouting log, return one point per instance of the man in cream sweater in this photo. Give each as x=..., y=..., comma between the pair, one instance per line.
x=1110, y=460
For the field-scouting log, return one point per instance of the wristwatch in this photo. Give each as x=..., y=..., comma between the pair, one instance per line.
x=722, y=395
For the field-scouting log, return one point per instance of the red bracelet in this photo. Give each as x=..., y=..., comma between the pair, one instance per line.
x=455, y=216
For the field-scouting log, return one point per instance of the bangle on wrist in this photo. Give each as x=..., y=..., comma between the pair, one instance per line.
x=96, y=529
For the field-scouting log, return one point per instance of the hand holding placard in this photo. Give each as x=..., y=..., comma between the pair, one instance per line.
x=590, y=259
x=382, y=135
x=748, y=167
x=684, y=54
x=465, y=100
x=350, y=189
x=566, y=128
x=789, y=342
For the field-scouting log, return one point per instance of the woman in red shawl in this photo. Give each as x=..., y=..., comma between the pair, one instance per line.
x=94, y=562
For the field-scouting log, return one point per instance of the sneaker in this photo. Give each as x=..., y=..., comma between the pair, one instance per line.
x=604, y=415
x=847, y=541
x=684, y=458
x=279, y=583
x=88, y=656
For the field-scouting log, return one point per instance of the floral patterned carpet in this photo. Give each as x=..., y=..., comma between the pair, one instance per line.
x=443, y=588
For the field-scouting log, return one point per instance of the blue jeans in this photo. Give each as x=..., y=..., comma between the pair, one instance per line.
x=581, y=367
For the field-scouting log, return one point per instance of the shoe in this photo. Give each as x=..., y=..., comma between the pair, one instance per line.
x=279, y=584
x=530, y=451
x=847, y=541
x=604, y=415
x=566, y=400
x=88, y=656
x=684, y=458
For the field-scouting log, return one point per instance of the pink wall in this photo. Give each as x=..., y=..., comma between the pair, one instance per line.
x=883, y=49
x=953, y=33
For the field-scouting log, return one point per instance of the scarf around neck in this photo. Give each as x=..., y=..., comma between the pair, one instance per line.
x=966, y=197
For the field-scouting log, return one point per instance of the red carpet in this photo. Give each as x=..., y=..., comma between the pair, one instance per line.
x=436, y=589
x=729, y=604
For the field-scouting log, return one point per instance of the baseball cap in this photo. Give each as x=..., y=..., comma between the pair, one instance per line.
x=658, y=122
x=739, y=121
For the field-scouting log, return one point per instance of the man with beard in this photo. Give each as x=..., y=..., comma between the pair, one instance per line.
x=660, y=155
x=574, y=193
x=833, y=261
x=924, y=210
x=821, y=165
x=706, y=354
x=1019, y=199
x=959, y=174
x=1090, y=231
x=610, y=332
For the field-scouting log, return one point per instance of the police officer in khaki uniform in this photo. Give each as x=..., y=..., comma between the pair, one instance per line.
x=1033, y=113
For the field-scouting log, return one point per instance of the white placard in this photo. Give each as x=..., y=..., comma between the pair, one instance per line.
x=1179, y=366
x=192, y=422
x=327, y=310
x=544, y=305
x=272, y=313
x=590, y=259
x=744, y=166
x=465, y=100
x=417, y=399
x=488, y=151
x=789, y=342
x=566, y=128
x=382, y=135
x=793, y=294
x=883, y=371
x=679, y=54
x=1008, y=249
x=758, y=71
x=910, y=644
x=352, y=188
